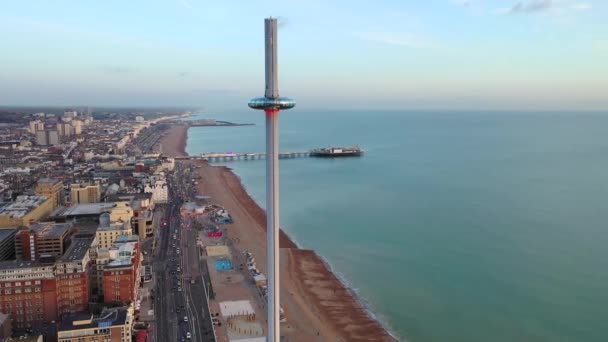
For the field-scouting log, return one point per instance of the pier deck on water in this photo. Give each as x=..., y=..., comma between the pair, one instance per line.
x=217, y=157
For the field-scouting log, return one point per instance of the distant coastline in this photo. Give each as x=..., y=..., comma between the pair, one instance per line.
x=339, y=310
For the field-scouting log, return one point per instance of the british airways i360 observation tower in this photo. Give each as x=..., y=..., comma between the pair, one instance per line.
x=271, y=104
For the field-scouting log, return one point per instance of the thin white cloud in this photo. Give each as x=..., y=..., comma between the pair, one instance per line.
x=553, y=6
x=395, y=39
x=530, y=6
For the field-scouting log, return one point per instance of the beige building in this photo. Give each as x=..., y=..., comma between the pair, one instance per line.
x=64, y=129
x=84, y=193
x=51, y=188
x=112, y=325
x=25, y=210
x=77, y=127
x=36, y=126
x=107, y=235
x=122, y=211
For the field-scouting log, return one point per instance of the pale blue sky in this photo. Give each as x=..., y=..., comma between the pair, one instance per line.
x=458, y=54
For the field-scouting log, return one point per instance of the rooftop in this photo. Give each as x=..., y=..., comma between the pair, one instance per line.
x=107, y=318
x=121, y=239
x=48, y=181
x=22, y=205
x=78, y=249
x=83, y=209
x=119, y=263
x=50, y=229
x=17, y=264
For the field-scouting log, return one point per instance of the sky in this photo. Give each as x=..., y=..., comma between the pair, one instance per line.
x=333, y=54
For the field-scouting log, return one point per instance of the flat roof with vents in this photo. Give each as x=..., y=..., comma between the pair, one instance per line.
x=107, y=319
x=78, y=249
x=17, y=264
x=22, y=205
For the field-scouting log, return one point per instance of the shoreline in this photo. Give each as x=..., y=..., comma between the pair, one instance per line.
x=315, y=297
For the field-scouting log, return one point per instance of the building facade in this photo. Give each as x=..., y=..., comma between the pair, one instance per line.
x=106, y=236
x=35, y=126
x=64, y=129
x=84, y=193
x=47, y=137
x=51, y=188
x=28, y=292
x=73, y=278
x=121, y=275
x=42, y=239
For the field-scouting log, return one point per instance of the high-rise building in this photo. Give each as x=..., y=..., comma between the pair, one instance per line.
x=64, y=129
x=53, y=189
x=35, y=126
x=85, y=193
x=47, y=137
x=77, y=127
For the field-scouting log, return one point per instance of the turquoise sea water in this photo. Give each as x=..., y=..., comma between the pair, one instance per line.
x=453, y=226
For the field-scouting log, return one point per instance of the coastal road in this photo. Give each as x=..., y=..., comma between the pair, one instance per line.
x=181, y=308
x=164, y=303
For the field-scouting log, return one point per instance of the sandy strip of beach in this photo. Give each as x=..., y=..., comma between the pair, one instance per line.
x=174, y=140
x=317, y=305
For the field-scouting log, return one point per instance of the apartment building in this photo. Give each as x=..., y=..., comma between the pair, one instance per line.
x=72, y=275
x=51, y=188
x=121, y=275
x=85, y=193
x=28, y=292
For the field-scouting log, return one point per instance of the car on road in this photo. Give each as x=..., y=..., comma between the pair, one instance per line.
x=179, y=289
x=188, y=336
x=186, y=319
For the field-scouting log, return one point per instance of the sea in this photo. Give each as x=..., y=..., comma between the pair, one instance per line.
x=454, y=226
